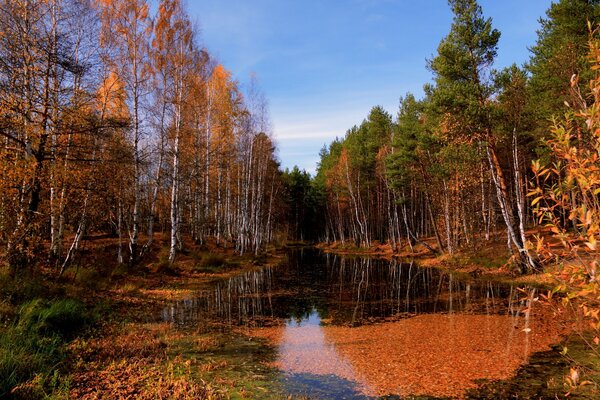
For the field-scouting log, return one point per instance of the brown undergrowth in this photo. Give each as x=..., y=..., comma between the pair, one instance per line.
x=135, y=355
x=132, y=362
x=130, y=352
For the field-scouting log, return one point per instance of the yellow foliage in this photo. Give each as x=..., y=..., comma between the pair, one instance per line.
x=112, y=97
x=567, y=198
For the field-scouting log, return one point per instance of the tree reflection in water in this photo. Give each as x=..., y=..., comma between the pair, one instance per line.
x=377, y=326
x=349, y=291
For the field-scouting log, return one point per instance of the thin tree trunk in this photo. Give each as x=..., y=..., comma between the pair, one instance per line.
x=527, y=263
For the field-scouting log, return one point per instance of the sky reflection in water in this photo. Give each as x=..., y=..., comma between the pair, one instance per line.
x=350, y=327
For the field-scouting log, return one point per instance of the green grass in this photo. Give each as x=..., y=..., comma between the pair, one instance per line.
x=64, y=318
x=33, y=337
x=480, y=260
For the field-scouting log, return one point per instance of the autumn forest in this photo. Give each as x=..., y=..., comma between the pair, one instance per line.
x=152, y=245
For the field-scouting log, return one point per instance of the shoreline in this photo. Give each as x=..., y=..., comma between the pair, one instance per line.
x=132, y=352
x=491, y=262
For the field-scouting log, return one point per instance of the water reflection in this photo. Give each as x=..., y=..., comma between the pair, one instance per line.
x=312, y=363
x=303, y=342
x=344, y=291
x=356, y=327
x=441, y=354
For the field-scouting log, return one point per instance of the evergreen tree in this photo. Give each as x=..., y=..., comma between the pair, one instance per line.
x=463, y=95
x=559, y=55
x=300, y=204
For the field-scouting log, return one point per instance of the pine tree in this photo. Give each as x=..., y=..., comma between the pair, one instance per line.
x=559, y=56
x=463, y=96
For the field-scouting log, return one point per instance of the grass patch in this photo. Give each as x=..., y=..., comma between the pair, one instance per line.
x=33, y=335
x=32, y=348
x=63, y=318
x=23, y=354
x=88, y=278
x=479, y=260
x=210, y=262
x=131, y=287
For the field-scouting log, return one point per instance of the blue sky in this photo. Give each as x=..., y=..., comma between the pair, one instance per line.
x=323, y=64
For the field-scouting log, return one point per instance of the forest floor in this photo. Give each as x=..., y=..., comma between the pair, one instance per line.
x=127, y=350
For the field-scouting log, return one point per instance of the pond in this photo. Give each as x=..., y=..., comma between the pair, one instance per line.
x=352, y=327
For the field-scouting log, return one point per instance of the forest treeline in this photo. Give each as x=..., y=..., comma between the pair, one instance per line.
x=116, y=120
x=456, y=165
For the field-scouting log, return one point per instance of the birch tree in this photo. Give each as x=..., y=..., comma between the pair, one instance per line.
x=125, y=36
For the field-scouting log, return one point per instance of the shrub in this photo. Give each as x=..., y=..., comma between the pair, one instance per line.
x=210, y=262
x=90, y=278
x=565, y=194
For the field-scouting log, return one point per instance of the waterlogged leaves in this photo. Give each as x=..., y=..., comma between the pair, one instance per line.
x=433, y=355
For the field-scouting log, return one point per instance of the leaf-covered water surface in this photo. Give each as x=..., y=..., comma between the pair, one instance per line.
x=378, y=327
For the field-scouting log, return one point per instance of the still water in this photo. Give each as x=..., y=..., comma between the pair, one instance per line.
x=348, y=327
